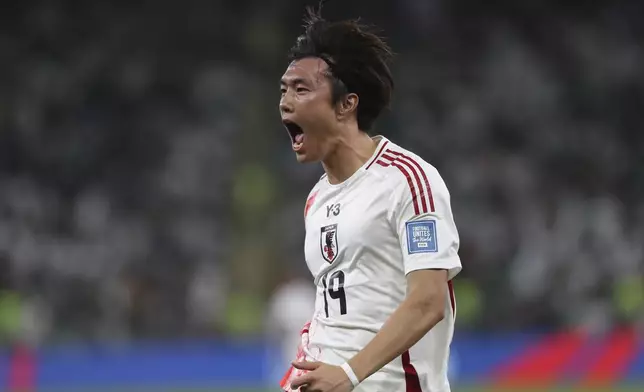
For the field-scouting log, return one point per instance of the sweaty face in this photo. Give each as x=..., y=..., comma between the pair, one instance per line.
x=306, y=108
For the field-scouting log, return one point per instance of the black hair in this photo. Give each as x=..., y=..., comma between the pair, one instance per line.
x=357, y=59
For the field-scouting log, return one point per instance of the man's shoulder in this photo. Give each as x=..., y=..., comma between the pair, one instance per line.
x=412, y=179
x=402, y=154
x=400, y=166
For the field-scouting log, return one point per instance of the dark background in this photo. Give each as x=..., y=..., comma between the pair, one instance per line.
x=148, y=190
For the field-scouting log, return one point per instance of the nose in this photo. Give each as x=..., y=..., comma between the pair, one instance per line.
x=285, y=104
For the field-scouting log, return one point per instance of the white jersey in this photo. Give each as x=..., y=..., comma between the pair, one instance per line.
x=363, y=237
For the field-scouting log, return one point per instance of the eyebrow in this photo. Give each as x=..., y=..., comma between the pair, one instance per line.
x=293, y=81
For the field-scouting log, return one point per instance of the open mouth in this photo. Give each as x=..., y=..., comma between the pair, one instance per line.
x=296, y=133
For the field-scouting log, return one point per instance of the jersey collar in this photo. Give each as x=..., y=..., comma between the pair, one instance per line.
x=380, y=148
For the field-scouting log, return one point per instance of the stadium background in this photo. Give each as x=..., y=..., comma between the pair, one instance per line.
x=151, y=208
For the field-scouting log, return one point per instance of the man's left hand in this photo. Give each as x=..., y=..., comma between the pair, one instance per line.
x=321, y=377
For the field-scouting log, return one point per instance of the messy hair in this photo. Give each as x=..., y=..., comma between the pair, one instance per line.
x=357, y=58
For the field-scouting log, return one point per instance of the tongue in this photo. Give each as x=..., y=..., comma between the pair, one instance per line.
x=299, y=138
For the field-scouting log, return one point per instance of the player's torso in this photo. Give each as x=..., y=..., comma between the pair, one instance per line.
x=353, y=253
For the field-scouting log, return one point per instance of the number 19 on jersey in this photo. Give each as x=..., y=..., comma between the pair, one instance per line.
x=335, y=290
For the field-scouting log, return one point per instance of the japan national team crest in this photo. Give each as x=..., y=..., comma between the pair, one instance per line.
x=329, y=242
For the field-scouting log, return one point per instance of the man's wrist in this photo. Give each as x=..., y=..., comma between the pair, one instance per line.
x=351, y=374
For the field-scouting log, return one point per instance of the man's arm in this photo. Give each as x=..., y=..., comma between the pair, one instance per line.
x=427, y=268
x=422, y=309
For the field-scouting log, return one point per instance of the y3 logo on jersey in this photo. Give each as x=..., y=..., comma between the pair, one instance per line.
x=329, y=242
x=333, y=209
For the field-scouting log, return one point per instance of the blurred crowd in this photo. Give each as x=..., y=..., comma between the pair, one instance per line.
x=147, y=188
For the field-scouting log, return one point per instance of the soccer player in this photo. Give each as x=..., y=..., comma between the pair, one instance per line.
x=381, y=241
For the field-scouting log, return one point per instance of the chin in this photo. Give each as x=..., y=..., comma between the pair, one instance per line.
x=305, y=158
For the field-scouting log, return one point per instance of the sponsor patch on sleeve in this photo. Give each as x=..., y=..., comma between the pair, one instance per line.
x=421, y=236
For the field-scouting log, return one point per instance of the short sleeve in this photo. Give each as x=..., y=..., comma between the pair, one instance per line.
x=422, y=215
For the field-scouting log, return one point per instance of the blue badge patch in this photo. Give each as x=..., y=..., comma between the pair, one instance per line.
x=421, y=236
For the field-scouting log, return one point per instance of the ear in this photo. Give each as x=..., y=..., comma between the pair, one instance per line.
x=348, y=104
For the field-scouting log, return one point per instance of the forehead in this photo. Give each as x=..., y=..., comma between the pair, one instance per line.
x=307, y=69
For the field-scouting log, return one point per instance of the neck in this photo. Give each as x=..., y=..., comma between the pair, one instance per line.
x=351, y=151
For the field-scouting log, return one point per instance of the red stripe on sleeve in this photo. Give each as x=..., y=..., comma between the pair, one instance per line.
x=412, y=188
x=422, y=172
x=420, y=185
